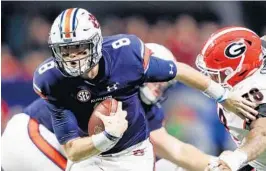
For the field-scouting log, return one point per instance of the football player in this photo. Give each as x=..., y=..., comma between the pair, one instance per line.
x=86, y=69
x=54, y=158
x=177, y=153
x=233, y=57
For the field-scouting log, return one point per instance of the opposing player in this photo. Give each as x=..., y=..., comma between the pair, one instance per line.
x=233, y=57
x=86, y=69
x=166, y=146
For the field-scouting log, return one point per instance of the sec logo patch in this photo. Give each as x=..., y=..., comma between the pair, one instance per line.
x=83, y=95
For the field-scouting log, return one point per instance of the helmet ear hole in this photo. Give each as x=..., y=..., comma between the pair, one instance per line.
x=242, y=73
x=248, y=41
x=227, y=72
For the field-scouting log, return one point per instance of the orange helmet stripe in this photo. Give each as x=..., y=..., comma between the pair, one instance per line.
x=67, y=22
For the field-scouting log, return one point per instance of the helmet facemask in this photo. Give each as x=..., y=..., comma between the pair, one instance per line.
x=76, y=58
x=220, y=76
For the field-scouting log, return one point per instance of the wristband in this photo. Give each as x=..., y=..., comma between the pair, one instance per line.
x=216, y=91
x=223, y=97
x=104, y=141
x=110, y=137
x=235, y=160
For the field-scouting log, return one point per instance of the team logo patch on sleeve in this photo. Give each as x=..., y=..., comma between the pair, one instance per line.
x=83, y=95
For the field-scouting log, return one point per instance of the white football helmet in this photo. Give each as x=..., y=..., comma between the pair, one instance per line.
x=150, y=93
x=76, y=29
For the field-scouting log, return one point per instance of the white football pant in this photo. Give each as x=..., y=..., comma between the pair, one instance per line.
x=29, y=146
x=139, y=157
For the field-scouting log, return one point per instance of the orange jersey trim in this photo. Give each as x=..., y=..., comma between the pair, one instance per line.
x=44, y=146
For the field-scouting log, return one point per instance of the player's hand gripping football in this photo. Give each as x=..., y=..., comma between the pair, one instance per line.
x=115, y=124
x=240, y=106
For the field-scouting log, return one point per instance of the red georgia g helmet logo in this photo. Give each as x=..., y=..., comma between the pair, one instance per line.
x=235, y=50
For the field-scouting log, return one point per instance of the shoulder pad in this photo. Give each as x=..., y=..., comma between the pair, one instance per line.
x=125, y=43
x=46, y=78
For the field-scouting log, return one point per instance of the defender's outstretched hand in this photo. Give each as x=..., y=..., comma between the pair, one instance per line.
x=240, y=106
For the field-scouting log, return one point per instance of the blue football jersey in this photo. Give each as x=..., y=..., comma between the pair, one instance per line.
x=122, y=69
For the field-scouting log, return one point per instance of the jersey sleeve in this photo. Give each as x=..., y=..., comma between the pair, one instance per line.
x=46, y=81
x=155, y=117
x=138, y=62
x=156, y=65
x=160, y=70
x=47, y=84
x=64, y=123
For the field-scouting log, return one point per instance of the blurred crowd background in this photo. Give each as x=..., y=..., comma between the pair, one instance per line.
x=181, y=26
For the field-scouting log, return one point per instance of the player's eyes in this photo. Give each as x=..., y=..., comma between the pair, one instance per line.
x=65, y=54
x=82, y=52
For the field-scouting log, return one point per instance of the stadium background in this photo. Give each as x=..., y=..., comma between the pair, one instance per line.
x=181, y=26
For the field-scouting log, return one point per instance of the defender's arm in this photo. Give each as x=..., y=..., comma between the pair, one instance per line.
x=165, y=70
x=255, y=142
x=254, y=145
x=182, y=154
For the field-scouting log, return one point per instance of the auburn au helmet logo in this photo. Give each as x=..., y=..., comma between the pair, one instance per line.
x=235, y=49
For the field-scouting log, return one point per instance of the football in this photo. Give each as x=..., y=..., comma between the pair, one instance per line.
x=106, y=107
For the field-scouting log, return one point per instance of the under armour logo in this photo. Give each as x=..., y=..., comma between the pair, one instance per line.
x=113, y=87
x=171, y=72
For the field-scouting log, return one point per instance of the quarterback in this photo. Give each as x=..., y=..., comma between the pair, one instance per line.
x=50, y=153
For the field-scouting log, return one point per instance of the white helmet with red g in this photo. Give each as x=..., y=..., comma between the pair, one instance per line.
x=75, y=29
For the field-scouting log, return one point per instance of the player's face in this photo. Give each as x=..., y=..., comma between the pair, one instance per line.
x=157, y=88
x=74, y=53
x=78, y=57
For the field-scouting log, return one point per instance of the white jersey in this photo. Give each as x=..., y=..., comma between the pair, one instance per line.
x=253, y=88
